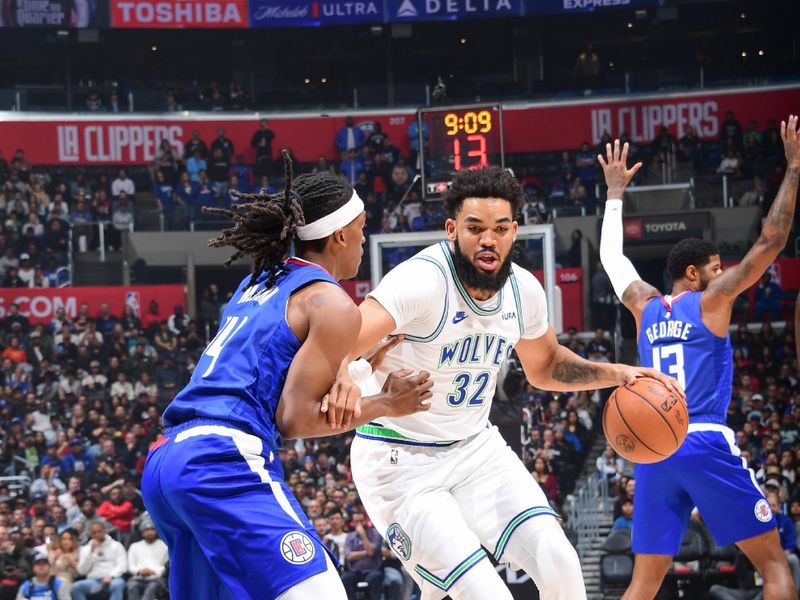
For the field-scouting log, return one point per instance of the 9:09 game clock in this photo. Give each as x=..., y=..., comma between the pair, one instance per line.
x=459, y=137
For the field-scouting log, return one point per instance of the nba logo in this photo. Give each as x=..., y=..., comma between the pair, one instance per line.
x=133, y=300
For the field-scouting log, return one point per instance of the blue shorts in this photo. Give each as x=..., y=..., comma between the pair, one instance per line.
x=708, y=472
x=233, y=528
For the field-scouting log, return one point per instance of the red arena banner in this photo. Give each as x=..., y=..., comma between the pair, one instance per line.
x=40, y=305
x=177, y=14
x=130, y=139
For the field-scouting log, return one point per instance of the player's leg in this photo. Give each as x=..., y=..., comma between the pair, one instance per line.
x=510, y=514
x=660, y=516
x=648, y=574
x=734, y=509
x=765, y=552
x=405, y=490
x=324, y=586
x=225, y=489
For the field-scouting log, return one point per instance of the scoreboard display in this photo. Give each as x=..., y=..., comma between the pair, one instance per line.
x=458, y=138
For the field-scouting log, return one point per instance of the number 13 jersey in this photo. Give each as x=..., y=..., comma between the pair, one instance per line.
x=462, y=342
x=674, y=340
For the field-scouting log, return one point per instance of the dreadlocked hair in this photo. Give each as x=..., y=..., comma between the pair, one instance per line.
x=265, y=224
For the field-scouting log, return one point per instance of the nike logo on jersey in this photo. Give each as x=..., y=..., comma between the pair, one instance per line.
x=460, y=316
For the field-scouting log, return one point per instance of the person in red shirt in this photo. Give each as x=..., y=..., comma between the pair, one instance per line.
x=15, y=352
x=117, y=511
x=153, y=316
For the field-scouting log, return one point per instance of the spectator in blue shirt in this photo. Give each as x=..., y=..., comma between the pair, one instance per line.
x=352, y=166
x=585, y=163
x=350, y=137
x=362, y=549
x=244, y=173
x=184, y=194
x=788, y=536
x=204, y=196
x=625, y=521
x=78, y=460
x=194, y=165
x=264, y=184
x=768, y=298
x=163, y=192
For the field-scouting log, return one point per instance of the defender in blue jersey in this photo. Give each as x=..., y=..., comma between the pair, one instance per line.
x=213, y=483
x=685, y=334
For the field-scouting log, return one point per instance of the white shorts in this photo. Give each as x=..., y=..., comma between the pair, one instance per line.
x=436, y=506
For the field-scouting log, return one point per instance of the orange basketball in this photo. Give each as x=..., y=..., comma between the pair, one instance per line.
x=644, y=421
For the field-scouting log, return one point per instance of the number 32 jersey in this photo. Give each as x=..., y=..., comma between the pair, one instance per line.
x=674, y=340
x=240, y=376
x=460, y=341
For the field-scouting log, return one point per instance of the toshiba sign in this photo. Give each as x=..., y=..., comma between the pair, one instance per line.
x=173, y=14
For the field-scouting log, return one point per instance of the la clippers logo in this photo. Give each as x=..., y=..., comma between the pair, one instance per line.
x=633, y=228
x=763, y=511
x=297, y=548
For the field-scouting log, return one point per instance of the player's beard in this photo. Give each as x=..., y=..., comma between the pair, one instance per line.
x=472, y=278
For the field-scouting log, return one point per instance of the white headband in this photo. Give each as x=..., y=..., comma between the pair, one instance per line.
x=325, y=226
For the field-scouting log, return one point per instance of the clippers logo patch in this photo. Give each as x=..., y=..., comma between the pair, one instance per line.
x=297, y=548
x=399, y=541
x=763, y=511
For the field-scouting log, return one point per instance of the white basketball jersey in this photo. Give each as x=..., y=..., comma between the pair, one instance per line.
x=462, y=342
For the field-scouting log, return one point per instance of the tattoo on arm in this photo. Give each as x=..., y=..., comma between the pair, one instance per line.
x=637, y=291
x=572, y=371
x=781, y=215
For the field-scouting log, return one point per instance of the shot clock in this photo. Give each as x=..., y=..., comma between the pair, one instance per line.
x=459, y=137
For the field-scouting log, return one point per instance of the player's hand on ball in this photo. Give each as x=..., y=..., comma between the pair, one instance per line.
x=630, y=374
x=342, y=402
x=375, y=355
x=407, y=392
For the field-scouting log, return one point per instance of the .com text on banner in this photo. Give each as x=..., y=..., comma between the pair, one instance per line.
x=41, y=305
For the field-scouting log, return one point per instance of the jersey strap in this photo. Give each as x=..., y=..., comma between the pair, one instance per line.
x=445, y=311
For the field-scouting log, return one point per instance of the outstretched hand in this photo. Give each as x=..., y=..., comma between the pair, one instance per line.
x=615, y=169
x=791, y=142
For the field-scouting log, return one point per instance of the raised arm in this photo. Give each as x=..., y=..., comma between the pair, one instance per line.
x=796, y=327
x=551, y=366
x=718, y=298
x=628, y=286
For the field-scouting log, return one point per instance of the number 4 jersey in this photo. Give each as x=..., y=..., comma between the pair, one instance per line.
x=674, y=340
x=460, y=341
x=240, y=376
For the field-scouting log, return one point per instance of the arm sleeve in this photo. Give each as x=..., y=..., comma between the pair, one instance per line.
x=409, y=291
x=619, y=268
x=534, y=304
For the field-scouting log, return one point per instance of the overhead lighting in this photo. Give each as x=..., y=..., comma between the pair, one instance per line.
x=306, y=80
x=463, y=40
x=153, y=48
x=743, y=15
x=761, y=52
x=324, y=80
x=744, y=54
x=630, y=24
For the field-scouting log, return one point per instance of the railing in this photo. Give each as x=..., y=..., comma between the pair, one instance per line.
x=83, y=229
x=590, y=501
x=325, y=95
x=16, y=483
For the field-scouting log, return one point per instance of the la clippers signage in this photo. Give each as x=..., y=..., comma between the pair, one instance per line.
x=172, y=14
x=434, y=10
x=541, y=127
x=41, y=305
x=284, y=13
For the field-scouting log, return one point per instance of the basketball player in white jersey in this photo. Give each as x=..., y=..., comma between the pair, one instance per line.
x=442, y=486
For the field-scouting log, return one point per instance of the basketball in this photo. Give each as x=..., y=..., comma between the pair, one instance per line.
x=644, y=421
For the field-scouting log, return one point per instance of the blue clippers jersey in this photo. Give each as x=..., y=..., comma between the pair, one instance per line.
x=674, y=340
x=240, y=376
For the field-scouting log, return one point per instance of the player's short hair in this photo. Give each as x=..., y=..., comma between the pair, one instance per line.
x=265, y=224
x=488, y=182
x=691, y=251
